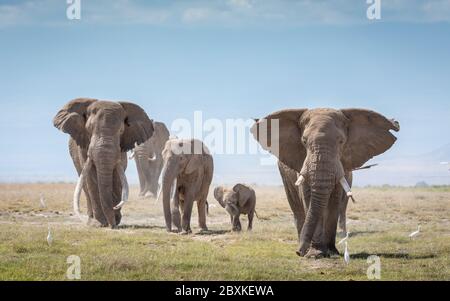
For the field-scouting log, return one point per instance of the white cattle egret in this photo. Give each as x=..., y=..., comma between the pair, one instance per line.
x=415, y=233
x=49, y=237
x=344, y=239
x=42, y=200
x=346, y=254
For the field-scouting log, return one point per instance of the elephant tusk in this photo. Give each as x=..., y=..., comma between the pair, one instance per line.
x=132, y=154
x=174, y=189
x=347, y=188
x=125, y=188
x=152, y=158
x=160, y=186
x=158, y=196
x=300, y=180
x=79, y=187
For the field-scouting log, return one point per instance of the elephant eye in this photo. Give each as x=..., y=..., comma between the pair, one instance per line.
x=304, y=140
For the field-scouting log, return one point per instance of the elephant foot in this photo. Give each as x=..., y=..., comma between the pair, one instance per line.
x=302, y=250
x=316, y=253
x=332, y=251
x=178, y=230
x=186, y=232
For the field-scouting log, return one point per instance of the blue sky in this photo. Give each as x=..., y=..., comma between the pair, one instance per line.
x=230, y=59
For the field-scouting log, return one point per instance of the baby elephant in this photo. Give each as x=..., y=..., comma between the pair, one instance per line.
x=239, y=200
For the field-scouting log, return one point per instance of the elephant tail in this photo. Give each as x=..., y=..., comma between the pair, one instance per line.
x=257, y=216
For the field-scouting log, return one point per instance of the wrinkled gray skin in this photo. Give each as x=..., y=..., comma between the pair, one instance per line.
x=102, y=131
x=289, y=177
x=190, y=173
x=323, y=146
x=241, y=199
x=149, y=162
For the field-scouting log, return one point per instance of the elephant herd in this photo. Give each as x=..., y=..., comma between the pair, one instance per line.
x=317, y=151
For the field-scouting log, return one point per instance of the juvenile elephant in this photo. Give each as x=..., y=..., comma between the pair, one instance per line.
x=186, y=176
x=101, y=133
x=318, y=149
x=241, y=199
x=149, y=162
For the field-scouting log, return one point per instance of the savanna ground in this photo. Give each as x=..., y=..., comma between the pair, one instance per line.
x=141, y=249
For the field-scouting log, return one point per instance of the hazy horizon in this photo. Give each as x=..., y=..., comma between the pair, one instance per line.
x=229, y=59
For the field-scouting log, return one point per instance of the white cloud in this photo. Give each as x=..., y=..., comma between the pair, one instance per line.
x=224, y=12
x=196, y=14
x=246, y=4
x=438, y=11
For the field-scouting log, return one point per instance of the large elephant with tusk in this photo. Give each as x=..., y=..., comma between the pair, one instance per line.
x=317, y=151
x=148, y=159
x=101, y=133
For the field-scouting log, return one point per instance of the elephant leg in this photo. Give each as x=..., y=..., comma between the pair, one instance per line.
x=140, y=176
x=236, y=223
x=343, y=214
x=176, y=217
x=148, y=182
x=201, y=207
x=343, y=207
x=187, y=211
x=330, y=222
x=250, y=220
x=154, y=178
x=117, y=195
x=289, y=177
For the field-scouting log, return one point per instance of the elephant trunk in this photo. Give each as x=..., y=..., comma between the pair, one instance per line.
x=232, y=209
x=168, y=178
x=320, y=173
x=221, y=202
x=107, y=157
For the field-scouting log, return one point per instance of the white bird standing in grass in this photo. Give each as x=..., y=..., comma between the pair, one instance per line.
x=346, y=254
x=42, y=201
x=344, y=239
x=49, y=237
x=415, y=233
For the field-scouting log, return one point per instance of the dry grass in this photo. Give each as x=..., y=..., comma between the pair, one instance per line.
x=380, y=222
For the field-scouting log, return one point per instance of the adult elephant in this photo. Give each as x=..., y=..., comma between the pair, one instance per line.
x=186, y=176
x=149, y=162
x=317, y=150
x=101, y=133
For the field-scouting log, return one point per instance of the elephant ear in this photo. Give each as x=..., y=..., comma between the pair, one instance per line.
x=218, y=195
x=71, y=119
x=286, y=143
x=138, y=127
x=368, y=136
x=244, y=194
